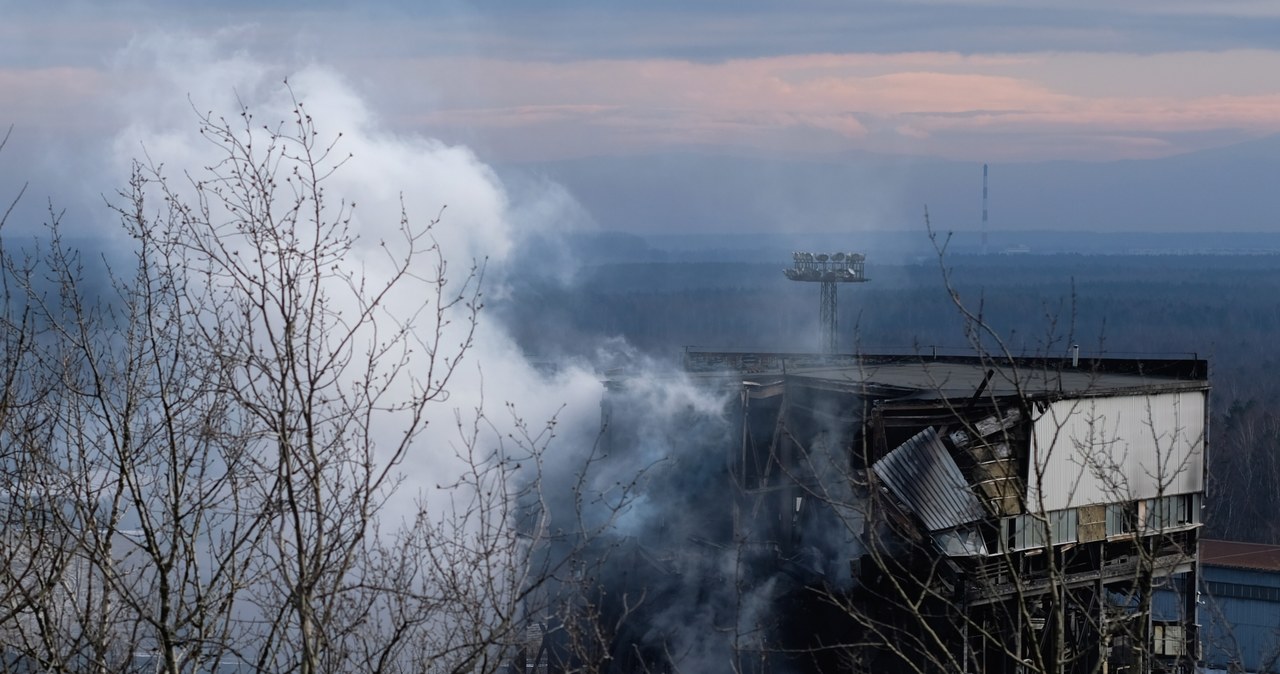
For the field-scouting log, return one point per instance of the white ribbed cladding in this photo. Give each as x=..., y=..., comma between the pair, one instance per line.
x=923, y=475
x=1116, y=449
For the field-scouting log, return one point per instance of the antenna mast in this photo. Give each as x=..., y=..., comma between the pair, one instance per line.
x=984, y=209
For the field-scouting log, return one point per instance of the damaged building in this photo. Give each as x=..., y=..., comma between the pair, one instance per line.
x=918, y=513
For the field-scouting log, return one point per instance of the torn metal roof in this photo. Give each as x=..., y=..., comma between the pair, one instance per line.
x=923, y=475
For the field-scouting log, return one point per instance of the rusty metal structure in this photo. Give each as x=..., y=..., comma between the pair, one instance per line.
x=827, y=270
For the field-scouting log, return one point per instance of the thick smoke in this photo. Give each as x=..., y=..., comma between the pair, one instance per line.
x=481, y=226
x=635, y=486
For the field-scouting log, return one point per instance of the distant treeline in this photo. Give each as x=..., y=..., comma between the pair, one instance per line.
x=1224, y=308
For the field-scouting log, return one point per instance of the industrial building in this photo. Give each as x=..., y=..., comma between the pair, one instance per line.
x=1239, y=607
x=938, y=513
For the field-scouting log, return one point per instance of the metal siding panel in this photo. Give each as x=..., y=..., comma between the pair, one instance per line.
x=1223, y=574
x=1117, y=449
x=1166, y=604
x=923, y=475
x=1247, y=632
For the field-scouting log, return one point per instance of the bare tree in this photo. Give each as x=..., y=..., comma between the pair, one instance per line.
x=1072, y=496
x=993, y=511
x=200, y=451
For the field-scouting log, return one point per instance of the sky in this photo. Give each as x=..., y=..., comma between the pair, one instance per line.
x=536, y=81
x=529, y=83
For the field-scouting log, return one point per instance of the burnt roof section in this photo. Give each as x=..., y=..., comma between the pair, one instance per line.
x=929, y=377
x=924, y=476
x=1240, y=555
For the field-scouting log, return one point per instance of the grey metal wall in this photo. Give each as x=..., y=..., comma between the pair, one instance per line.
x=1113, y=449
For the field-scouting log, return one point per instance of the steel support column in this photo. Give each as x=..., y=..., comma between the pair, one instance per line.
x=830, y=325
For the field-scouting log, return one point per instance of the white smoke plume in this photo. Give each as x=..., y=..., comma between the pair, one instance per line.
x=177, y=78
x=668, y=475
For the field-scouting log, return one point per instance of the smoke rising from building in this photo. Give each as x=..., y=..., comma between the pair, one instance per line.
x=646, y=473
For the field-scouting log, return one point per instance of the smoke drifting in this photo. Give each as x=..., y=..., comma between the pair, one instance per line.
x=481, y=225
x=640, y=495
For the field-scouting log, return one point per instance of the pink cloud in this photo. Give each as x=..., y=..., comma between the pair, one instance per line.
x=853, y=99
x=948, y=104
x=52, y=97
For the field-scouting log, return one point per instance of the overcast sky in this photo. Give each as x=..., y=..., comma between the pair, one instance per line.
x=517, y=81
x=966, y=79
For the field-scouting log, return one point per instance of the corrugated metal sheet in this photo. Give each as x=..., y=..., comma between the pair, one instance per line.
x=1116, y=449
x=1240, y=614
x=923, y=475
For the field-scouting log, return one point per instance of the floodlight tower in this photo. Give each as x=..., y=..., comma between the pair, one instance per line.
x=827, y=270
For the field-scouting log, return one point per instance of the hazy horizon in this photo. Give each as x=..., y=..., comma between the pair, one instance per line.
x=719, y=117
